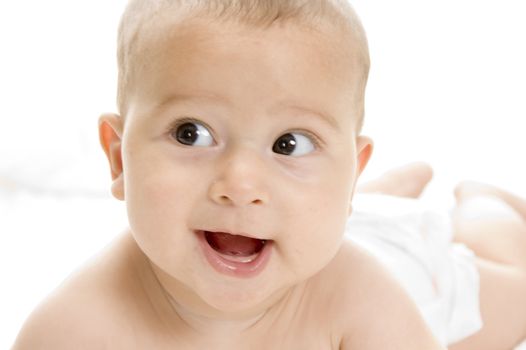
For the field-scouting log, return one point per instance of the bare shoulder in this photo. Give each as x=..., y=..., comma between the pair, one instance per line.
x=82, y=313
x=372, y=310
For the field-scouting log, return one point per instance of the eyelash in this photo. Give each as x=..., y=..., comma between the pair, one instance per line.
x=317, y=142
x=181, y=121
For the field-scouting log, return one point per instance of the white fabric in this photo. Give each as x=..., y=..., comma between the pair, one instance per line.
x=522, y=346
x=415, y=244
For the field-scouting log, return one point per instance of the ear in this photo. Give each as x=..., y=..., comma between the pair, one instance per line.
x=364, y=150
x=110, y=136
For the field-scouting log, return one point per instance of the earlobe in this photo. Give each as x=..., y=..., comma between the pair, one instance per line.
x=117, y=187
x=110, y=136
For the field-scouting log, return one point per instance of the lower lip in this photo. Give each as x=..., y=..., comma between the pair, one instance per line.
x=232, y=268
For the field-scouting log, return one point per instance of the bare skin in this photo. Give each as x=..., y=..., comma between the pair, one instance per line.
x=408, y=180
x=500, y=246
x=116, y=303
x=122, y=306
x=111, y=312
x=204, y=150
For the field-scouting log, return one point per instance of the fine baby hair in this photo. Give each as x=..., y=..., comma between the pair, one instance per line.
x=142, y=16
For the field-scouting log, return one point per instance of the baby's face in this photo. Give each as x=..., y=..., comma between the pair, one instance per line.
x=241, y=131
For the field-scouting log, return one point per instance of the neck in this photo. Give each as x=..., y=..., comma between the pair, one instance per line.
x=216, y=324
x=181, y=307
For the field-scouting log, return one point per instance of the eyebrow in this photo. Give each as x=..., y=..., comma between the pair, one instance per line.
x=285, y=104
x=174, y=98
x=327, y=118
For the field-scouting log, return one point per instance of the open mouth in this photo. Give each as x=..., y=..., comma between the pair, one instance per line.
x=235, y=255
x=235, y=247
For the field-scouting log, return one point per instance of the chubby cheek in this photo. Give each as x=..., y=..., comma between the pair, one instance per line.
x=318, y=222
x=158, y=200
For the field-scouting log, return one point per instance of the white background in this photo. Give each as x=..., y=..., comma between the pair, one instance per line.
x=447, y=85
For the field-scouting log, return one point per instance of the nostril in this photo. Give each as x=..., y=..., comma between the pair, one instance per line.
x=227, y=199
x=225, y=193
x=224, y=199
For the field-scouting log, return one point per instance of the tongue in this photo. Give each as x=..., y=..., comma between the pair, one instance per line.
x=229, y=244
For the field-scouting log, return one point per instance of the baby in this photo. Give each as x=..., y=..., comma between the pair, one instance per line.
x=237, y=150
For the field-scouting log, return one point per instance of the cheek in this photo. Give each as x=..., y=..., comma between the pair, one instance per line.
x=158, y=199
x=318, y=223
x=336, y=189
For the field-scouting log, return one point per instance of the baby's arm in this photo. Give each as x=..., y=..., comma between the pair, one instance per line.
x=77, y=315
x=51, y=326
x=62, y=321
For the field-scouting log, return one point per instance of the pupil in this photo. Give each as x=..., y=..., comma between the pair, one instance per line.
x=285, y=144
x=187, y=134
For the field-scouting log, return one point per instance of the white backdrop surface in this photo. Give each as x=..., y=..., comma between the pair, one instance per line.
x=447, y=85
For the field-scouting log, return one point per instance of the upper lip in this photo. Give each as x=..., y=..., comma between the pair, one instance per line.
x=234, y=233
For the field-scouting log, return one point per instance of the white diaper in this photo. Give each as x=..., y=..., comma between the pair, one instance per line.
x=415, y=244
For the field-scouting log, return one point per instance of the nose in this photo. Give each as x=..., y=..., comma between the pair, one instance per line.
x=240, y=180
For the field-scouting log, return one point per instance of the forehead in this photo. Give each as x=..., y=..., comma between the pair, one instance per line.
x=287, y=61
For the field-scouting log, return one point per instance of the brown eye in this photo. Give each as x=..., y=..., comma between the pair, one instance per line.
x=293, y=144
x=193, y=134
x=285, y=144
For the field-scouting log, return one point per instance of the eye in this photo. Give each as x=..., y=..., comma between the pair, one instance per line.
x=293, y=144
x=193, y=134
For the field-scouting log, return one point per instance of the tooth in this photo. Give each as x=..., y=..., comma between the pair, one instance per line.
x=241, y=259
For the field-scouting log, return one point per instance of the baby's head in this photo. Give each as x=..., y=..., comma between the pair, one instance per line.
x=149, y=23
x=237, y=147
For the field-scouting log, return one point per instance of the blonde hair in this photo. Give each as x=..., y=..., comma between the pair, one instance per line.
x=140, y=14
